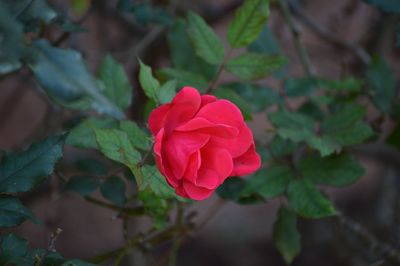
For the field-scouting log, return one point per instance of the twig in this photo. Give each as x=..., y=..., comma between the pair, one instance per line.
x=326, y=35
x=301, y=50
x=219, y=72
x=127, y=211
x=51, y=247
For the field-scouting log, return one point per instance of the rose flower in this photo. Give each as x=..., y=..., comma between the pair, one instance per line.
x=200, y=141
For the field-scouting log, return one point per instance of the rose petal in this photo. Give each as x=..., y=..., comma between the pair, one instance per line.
x=206, y=99
x=178, y=147
x=222, y=112
x=202, y=125
x=181, y=192
x=218, y=160
x=192, y=167
x=196, y=193
x=207, y=178
x=247, y=163
x=157, y=118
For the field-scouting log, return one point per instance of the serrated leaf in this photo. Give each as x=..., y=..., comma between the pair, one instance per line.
x=382, y=82
x=184, y=78
x=153, y=180
x=136, y=135
x=113, y=189
x=386, y=5
x=335, y=170
x=248, y=22
x=64, y=77
x=251, y=66
x=82, y=136
x=115, y=145
x=286, y=237
x=204, y=40
x=150, y=85
x=117, y=86
x=20, y=172
x=83, y=185
x=226, y=93
x=269, y=183
x=307, y=201
x=167, y=91
x=13, y=212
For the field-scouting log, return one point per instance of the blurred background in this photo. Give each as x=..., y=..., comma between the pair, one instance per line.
x=336, y=35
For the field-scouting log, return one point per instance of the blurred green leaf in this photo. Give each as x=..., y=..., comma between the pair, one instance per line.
x=279, y=147
x=382, y=82
x=20, y=172
x=12, y=249
x=113, y=189
x=335, y=170
x=145, y=13
x=251, y=66
x=232, y=189
x=286, y=237
x=307, y=201
x=150, y=85
x=394, y=137
x=153, y=180
x=92, y=166
x=82, y=136
x=117, y=86
x=184, y=78
x=257, y=97
x=226, y=93
x=115, y=145
x=270, y=182
x=385, y=5
x=63, y=75
x=83, y=185
x=156, y=206
x=80, y=6
x=30, y=12
x=12, y=212
x=136, y=135
x=204, y=40
x=398, y=35
x=248, y=22
x=311, y=109
x=295, y=87
x=167, y=91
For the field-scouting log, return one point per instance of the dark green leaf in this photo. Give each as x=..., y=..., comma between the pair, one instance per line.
x=386, y=5
x=226, y=93
x=113, y=189
x=136, y=135
x=270, y=182
x=266, y=43
x=232, y=189
x=394, y=137
x=12, y=212
x=117, y=86
x=251, y=66
x=307, y=201
x=63, y=75
x=382, y=81
x=153, y=180
x=248, y=22
x=82, y=136
x=205, y=42
x=150, y=85
x=279, y=147
x=295, y=87
x=398, y=36
x=145, y=13
x=285, y=234
x=335, y=170
x=20, y=172
x=12, y=249
x=184, y=78
x=156, y=206
x=83, y=185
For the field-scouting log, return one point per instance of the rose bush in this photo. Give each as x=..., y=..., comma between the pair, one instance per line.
x=200, y=141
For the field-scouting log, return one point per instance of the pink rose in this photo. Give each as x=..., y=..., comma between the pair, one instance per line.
x=200, y=141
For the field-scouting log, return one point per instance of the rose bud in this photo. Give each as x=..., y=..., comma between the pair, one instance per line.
x=200, y=141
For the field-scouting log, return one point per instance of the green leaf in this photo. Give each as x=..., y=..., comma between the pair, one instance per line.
x=270, y=182
x=82, y=136
x=83, y=185
x=113, y=189
x=12, y=212
x=182, y=54
x=184, y=78
x=205, y=42
x=153, y=180
x=63, y=75
x=286, y=237
x=136, y=135
x=251, y=66
x=226, y=93
x=12, y=249
x=115, y=145
x=382, y=82
x=150, y=85
x=398, y=36
x=386, y=5
x=266, y=43
x=296, y=87
x=248, y=22
x=117, y=86
x=335, y=170
x=156, y=206
x=258, y=97
x=394, y=137
x=279, y=147
x=167, y=91
x=232, y=189
x=20, y=172
x=307, y=201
